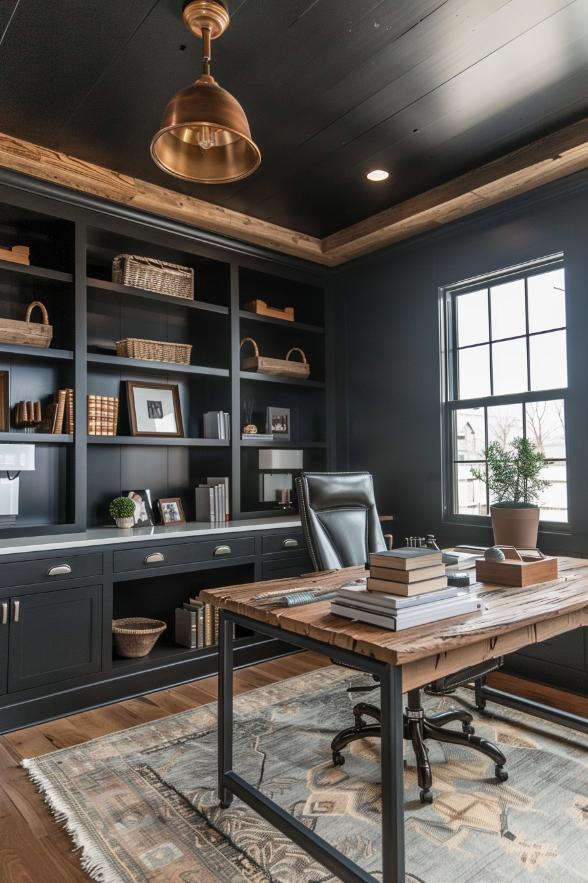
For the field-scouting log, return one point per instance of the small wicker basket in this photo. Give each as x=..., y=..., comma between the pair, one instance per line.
x=27, y=332
x=136, y=636
x=153, y=275
x=154, y=350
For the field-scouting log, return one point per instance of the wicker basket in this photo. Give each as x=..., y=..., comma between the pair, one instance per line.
x=281, y=367
x=136, y=636
x=153, y=275
x=154, y=350
x=27, y=332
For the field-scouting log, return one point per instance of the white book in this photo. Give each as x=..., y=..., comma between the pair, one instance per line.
x=396, y=623
x=204, y=499
x=393, y=602
x=457, y=560
x=212, y=480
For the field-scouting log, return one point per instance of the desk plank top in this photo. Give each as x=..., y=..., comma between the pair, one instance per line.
x=531, y=614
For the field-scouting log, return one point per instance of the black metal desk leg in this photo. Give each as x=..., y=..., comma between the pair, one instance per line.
x=392, y=775
x=225, y=708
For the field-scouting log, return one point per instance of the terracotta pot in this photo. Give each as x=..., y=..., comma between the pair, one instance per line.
x=515, y=525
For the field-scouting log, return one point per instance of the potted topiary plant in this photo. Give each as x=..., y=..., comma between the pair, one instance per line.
x=515, y=485
x=122, y=509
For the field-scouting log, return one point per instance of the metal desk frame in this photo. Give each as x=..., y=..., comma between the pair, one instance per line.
x=231, y=784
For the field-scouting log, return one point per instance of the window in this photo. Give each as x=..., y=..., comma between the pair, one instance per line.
x=505, y=377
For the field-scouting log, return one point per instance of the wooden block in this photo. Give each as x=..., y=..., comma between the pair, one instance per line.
x=260, y=308
x=18, y=254
x=518, y=574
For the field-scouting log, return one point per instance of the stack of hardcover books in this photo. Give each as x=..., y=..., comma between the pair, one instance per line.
x=406, y=588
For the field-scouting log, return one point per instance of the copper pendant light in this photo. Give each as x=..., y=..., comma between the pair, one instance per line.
x=204, y=135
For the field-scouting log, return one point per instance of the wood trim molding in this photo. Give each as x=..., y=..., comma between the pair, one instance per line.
x=548, y=159
x=67, y=171
x=554, y=156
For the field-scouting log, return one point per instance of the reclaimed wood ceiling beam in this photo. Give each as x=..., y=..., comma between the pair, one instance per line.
x=540, y=162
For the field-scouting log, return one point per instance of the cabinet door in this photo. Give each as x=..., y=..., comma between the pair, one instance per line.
x=4, y=618
x=54, y=636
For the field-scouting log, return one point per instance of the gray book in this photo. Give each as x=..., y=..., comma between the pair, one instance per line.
x=204, y=499
x=186, y=628
x=197, y=607
x=224, y=481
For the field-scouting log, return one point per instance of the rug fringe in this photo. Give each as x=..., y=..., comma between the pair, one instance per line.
x=92, y=859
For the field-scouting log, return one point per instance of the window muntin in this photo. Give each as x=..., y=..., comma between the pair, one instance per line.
x=506, y=377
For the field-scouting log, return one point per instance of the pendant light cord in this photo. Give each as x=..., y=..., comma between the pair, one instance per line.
x=206, y=51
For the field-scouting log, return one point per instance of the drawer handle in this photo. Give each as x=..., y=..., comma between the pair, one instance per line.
x=290, y=543
x=59, y=570
x=154, y=558
x=16, y=611
x=5, y=613
x=222, y=550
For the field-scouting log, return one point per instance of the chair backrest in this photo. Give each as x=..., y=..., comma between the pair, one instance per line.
x=339, y=518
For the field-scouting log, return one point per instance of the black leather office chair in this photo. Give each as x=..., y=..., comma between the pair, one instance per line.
x=341, y=528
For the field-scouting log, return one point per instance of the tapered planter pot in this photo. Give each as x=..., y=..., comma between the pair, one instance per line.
x=515, y=524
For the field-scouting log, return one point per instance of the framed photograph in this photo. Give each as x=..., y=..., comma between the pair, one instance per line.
x=172, y=511
x=4, y=402
x=143, y=516
x=278, y=422
x=154, y=409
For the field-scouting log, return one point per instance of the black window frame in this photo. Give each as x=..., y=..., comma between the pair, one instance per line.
x=450, y=404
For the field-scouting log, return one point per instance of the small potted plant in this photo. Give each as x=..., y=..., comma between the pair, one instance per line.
x=515, y=485
x=122, y=510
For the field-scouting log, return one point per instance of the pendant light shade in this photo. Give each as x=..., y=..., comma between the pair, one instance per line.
x=204, y=135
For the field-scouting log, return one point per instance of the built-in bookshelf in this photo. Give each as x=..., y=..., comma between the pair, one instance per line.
x=72, y=247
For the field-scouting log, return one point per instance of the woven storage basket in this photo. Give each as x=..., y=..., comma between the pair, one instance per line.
x=153, y=275
x=136, y=636
x=154, y=350
x=281, y=367
x=27, y=332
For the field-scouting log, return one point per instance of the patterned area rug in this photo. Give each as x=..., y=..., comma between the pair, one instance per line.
x=141, y=803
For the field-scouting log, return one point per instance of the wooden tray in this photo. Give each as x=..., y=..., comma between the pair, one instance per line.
x=519, y=574
x=260, y=308
x=280, y=367
x=27, y=332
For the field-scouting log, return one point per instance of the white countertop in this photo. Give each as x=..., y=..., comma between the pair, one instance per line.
x=108, y=536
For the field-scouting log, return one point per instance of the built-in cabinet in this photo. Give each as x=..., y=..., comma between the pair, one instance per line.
x=57, y=606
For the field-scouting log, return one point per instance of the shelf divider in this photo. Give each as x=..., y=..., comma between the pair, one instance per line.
x=117, y=288
x=146, y=365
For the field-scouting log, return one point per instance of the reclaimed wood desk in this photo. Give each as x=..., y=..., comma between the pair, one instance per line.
x=511, y=618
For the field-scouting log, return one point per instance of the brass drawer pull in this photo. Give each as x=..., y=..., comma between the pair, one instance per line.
x=290, y=543
x=222, y=550
x=4, y=613
x=59, y=570
x=154, y=558
x=16, y=611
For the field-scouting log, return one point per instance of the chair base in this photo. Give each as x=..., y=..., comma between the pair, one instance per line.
x=418, y=728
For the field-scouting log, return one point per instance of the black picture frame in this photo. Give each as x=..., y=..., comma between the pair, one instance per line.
x=278, y=422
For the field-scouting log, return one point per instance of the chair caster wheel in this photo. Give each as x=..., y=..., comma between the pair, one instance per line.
x=501, y=774
x=426, y=796
x=468, y=729
x=338, y=758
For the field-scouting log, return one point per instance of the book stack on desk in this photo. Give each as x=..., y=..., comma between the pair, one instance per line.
x=406, y=588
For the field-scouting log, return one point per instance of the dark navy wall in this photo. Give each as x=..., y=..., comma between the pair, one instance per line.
x=388, y=363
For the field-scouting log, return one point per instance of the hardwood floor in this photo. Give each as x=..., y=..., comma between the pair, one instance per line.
x=34, y=849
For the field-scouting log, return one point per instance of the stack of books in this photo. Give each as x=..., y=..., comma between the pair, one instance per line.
x=213, y=500
x=217, y=424
x=59, y=414
x=406, y=588
x=196, y=625
x=102, y=415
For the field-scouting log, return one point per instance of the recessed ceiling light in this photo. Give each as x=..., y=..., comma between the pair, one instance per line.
x=378, y=175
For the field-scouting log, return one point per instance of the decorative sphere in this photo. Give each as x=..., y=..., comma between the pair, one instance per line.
x=494, y=554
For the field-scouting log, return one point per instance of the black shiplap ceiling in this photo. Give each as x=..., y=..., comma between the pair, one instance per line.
x=425, y=88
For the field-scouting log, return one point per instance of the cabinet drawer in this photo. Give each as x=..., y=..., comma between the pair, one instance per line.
x=287, y=541
x=50, y=570
x=152, y=557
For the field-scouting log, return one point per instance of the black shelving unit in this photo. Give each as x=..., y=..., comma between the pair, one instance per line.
x=72, y=244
